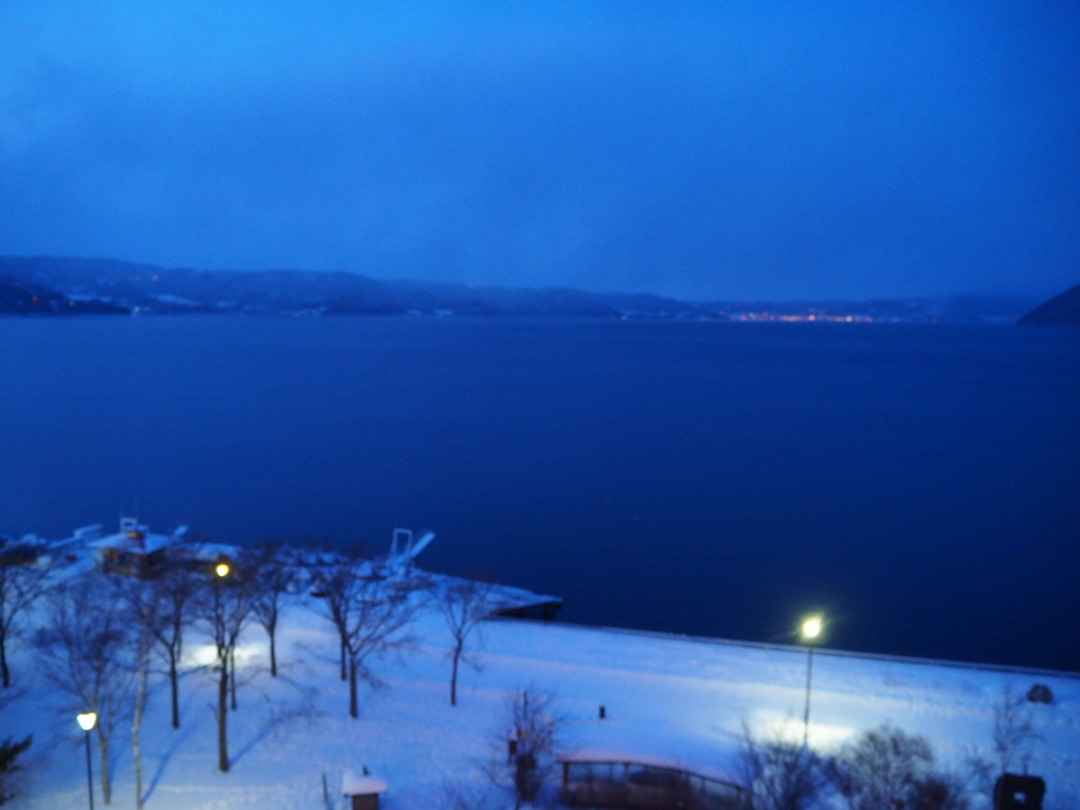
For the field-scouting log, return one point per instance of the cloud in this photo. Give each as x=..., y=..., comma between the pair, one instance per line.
x=752, y=149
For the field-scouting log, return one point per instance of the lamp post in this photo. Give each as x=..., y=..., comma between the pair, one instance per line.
x=809, y=631
x=86, y=723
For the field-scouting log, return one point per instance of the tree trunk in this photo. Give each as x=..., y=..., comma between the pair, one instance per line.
x=344, y=676
x=354, y=706
x=273, y=656
x=232, y=676
x=3, y=663
x=223, y=697
x=136, y=726
x=106, y=785
x=136, y=750
x=453, y=676
x=174, y=681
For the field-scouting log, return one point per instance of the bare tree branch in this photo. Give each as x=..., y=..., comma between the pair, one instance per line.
x=463, y=604
x=22, y=582
x=84, y=649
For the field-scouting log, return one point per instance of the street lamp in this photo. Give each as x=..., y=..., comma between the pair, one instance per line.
x=86, y=723
x=809, y=631
x=222, y=570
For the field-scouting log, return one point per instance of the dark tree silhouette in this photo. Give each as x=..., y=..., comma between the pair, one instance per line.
x=533, y=731
x=464, y=604
x=781, y=774
x=273, y=578
x=223, y=610
x=371, y=615
x=10, y=751
x=333, y=586
x=85, y=648
x=164, y=606
x=885, y=767
x=22, y=583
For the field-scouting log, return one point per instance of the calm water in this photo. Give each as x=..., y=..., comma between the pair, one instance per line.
x=918, y=483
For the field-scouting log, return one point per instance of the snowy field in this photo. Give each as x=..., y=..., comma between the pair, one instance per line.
x=685, y=700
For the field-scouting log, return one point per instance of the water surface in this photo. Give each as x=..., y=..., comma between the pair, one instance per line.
x=918, y=483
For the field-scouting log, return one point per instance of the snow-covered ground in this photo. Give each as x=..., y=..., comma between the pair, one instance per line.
x=685, y=700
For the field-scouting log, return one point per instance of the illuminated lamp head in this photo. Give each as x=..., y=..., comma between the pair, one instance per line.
x=87, y=721
x=811, y=628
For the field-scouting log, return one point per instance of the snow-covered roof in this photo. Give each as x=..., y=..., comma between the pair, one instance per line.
x=210, y=552
x=353, y=785
x=136, y=541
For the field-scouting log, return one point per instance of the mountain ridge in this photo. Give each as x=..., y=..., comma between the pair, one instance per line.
x=74, y=285
x=1063, y=308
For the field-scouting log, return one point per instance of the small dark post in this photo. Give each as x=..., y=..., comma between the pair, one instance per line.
x=603, y=712
x=87, y=722
x=89, y=773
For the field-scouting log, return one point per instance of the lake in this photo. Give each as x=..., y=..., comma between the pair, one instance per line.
x=917, y=483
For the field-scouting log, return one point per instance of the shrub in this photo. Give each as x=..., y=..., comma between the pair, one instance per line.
x=782, y=775
x=886, y=768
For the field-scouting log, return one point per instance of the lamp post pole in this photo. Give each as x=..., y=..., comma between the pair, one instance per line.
x=810, y=630
x=86, y=723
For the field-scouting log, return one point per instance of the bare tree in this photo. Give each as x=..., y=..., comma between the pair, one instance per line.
x=370, y=614
x=464, y=604
x=532, y=739
x=141, y=599
x=885, y=767
x=84, y=648
x=144, y=643
x=377, y=614
x=781, y=774
x=273, y=578
x=224, y=609
x=334, y=586
x=164, y=607
x=1014, y=730
x=10, y=751
x=22, y=583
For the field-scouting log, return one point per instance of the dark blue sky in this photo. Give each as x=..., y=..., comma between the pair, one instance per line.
x=712, y=150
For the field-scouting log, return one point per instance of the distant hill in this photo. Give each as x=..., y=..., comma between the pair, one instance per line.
x=18, y=297
x=1061, y=309
x=148, y=289
x=65, y=285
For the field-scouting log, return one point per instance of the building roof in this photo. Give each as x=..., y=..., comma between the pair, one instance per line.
x=353, y=785
x=136, y=538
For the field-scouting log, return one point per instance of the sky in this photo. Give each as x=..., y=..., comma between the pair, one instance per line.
x=701, y=150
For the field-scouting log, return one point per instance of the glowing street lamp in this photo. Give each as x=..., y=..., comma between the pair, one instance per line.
x=809, y=632
x=86, y=723
x=222, y=569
